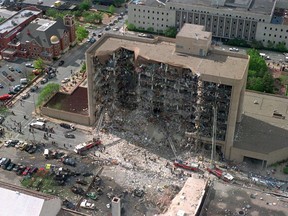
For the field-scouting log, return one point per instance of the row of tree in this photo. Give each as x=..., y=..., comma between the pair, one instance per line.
x=169, y=32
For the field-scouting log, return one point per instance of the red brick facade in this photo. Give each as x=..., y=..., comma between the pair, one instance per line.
x=11, y=48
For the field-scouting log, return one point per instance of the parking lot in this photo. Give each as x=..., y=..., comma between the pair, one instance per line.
x=20, y=71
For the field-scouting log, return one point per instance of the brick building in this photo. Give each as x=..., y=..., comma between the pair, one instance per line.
x=27, y=35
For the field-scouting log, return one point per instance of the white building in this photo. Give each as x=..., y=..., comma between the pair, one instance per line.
x=15, y=200
x=261, y=20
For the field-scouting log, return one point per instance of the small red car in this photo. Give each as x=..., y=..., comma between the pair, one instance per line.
x=26, y=171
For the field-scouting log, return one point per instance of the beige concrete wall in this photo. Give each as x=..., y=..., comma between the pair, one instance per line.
x=51, y=207
x=192, y=46
x=274, y=33
x=67, y=116
x=273, y=157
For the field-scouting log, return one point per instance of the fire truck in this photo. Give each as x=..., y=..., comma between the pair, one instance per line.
x=80, y=148
x=220, y=173
x=192, y=166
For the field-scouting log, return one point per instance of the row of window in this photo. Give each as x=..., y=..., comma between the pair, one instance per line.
x=274, y=42
x=148, y=11
x=151, y=17
x=275, y=29
x=153, y=24
x=280, y=36
x=227, y=15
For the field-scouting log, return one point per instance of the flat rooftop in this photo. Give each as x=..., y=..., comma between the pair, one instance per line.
x=220, y=64
x=256, y=6
x=229, y=199
x=194, y=31
x=189, y=198
x=16, y=20
x=259, y=130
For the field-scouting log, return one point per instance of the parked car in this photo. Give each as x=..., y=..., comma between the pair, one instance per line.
x=5, y=163
x=21, y=169
x=2, y=160
x=40, y=119
x=36, y=72
x=20, y=145
x=17, y=88
x=10, y=166
x=5, y=73
x=107, y=28
x=2, y=119
x=32, y=150
x=87, y=205
x=61, y=63
x=16, y=167
x=28, y=147
x=1, y=86
x=100, y=34
x=142, y=35
x=33, y=170
x=233, y=49
x=67, y=126
x=5, y=97
x=11, y=68
x=30, y=65
x=11, y=92
x=26, y=171
x=25, y=96
x=18, y=70
x=69, y=161
x=9, y=77
x=34, y=88
x=77, y=190
x=116, y=29
x=43, y=81
x=65, y=80
x=51, y=75
x=69, y=135
x=11, y=143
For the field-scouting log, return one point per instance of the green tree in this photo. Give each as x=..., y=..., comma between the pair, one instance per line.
x=85, y=5
x=256, y=84
x=257, y=44
x=111, y=9
x=131, y=27
x=2, y=19
x=259, y=78
x=81, y=33
x=281, y=46
x=268, y=83
x=39, y=64
x=170, y=32
x=46, y=92
x=118, y=3
x=257, y=63
x=270, y=45
x=150, y=29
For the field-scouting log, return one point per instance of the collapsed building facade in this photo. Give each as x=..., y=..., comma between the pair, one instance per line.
x=185, y=78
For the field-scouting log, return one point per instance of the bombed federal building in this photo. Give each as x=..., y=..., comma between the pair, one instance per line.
x=184, y=82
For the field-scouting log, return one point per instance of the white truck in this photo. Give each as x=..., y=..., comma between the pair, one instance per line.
x=38, y=125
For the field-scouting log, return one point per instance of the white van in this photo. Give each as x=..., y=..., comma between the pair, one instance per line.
x=38, y=125
x=24, y=81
